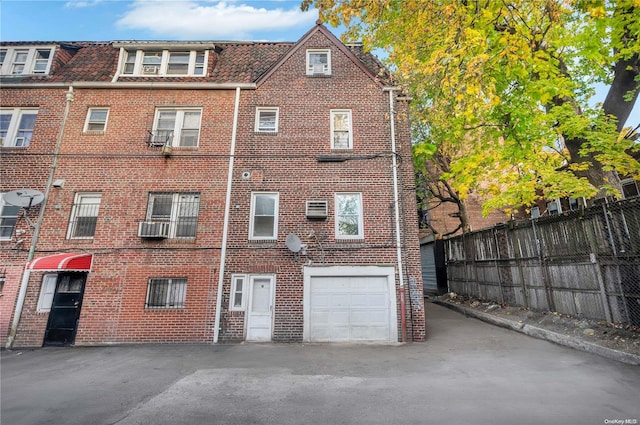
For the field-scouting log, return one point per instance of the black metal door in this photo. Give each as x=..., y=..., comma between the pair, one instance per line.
x=65, y=310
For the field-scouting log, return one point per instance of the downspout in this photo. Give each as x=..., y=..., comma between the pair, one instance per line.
x=225, y=227
x=396, y=205
x=36, y=230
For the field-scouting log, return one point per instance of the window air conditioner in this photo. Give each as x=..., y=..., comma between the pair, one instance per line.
x=150, y=69
x=316, y=209
x=320, y=68
x=153, y=229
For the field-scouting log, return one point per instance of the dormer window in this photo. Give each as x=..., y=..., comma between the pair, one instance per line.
x=154, y=63
x=26, y=60
x=318, y=62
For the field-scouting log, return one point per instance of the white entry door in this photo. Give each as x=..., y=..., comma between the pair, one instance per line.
x=260, y=309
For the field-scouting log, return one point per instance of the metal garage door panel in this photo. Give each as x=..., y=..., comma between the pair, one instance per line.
x=349, y=308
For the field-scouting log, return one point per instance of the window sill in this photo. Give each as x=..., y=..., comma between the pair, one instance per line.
x=84, y=241
x=318, y=75
x=94, y=132
x=266, y=133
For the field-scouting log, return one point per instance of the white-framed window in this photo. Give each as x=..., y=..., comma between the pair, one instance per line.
x=349, y=220
x=264, y=216
x=26, y=60
x=84, y=216
x=178, y=210
x=318, y=62
x=554, y=207
x=163, y=292
x=177, y=127
x=96, y=119
x=239, y=286
x=630, y=188
x=341, y=133
x=267, y=119
x=164, y=62
x=16, y=126
x=8, y=219
x=47, y=290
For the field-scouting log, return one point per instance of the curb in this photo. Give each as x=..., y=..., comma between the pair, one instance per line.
x=545, y=334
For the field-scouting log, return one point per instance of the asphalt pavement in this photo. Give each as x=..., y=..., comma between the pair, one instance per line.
x=467, y=372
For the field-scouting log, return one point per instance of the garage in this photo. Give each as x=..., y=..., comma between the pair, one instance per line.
x=350, y=304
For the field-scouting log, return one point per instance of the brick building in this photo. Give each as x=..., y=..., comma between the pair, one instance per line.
x=205, y=192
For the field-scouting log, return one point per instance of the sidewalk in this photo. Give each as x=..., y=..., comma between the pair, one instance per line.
x=595, y=337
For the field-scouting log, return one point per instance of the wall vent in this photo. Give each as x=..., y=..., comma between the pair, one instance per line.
x=316, y=209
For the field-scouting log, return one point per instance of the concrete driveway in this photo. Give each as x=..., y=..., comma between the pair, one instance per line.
x=468, y=372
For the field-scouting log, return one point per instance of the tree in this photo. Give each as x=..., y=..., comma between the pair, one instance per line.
x=501, y=90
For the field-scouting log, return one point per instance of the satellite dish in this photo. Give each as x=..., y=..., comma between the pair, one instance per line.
x=24, y=198
x=293, y=243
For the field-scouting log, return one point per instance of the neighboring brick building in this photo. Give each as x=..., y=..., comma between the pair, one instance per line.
x=147, y=237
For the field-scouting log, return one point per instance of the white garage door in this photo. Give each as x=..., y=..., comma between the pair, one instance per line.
x=350, y=308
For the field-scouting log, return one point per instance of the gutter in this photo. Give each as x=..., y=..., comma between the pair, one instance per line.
x=396, y=205
x=133, y=85
x=225, y=227
x=36, y=231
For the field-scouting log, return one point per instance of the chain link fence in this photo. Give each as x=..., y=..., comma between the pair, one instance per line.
x=584, y=263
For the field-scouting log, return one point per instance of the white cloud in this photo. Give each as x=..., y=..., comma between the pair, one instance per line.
x=81, y=3
x=212, y=20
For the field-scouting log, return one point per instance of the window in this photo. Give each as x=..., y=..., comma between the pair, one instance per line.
x=177, y=127
x=349, y=224
x=156, y=63
x=630, y=188
x=8, y=219
x=267, y=120
x=84, y=216
x=26, y=60
x=16, y=126
x=238, y=288
x=341, y=134
x=264, y=216
x=554, y=208
x=318, y=62
x=96, y=119
x=179, y=210
x=47, y=290
x=166, y=293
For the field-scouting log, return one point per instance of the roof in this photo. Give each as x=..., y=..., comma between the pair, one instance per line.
x=230, y=62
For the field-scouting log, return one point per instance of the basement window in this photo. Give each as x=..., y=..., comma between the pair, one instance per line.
x=166, y=293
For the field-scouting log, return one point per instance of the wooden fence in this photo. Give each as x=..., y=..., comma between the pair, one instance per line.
x=584, y=263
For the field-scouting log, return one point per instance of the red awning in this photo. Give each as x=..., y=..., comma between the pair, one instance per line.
x=67, y=261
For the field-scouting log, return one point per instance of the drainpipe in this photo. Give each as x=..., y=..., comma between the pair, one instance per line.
x=396, y=205
x=36, y=230
x=225, y=227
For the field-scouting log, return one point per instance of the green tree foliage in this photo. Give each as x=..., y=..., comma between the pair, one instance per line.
x=501, y=90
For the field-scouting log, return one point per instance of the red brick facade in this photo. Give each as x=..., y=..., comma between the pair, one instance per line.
x=119, y=164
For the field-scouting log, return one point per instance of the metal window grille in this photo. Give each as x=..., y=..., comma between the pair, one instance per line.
x=84, y=217
x=180, y=210
x=166, y=293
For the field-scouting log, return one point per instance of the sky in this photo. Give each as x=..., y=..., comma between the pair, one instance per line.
x=110, y=20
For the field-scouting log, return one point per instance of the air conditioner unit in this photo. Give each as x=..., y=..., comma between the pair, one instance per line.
x=153, y=229
x=316, y=209
x=150, y=69
x=320, y=68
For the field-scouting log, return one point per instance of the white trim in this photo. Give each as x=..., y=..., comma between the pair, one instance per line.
x=332, y=114
x=244, y=292
x=276, y=197
x=136, y=85
x=259, y=110
x=178, y=124
x=87, y=120
x=14, y=125
x=139, y=67
x=47, y=291
x=272, y=296
x=338, y=271
x=30, y=62
x=360, y=234
x=77, y=204
x=311, y=70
